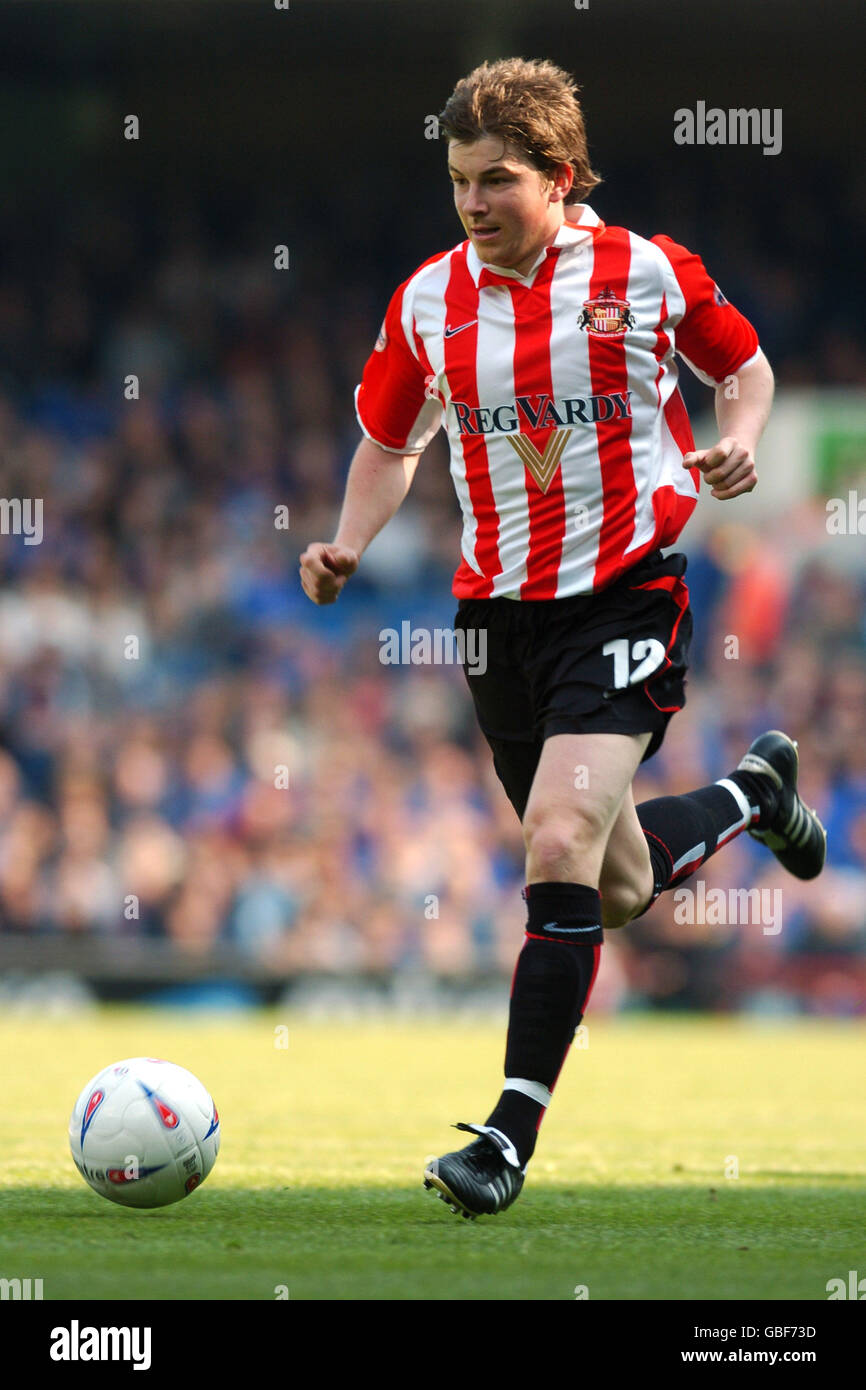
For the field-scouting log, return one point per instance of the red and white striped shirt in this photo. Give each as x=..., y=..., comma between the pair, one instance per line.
x=559, y=393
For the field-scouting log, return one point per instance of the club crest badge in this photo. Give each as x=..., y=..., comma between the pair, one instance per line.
x=606, y=316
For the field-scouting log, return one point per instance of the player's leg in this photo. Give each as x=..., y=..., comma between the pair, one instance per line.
x=594, y=859
x=583, y=833
x=574, y=802
x=660, y=843
x=626, y=884
x=568, y=791
x=605, y=673
x=682, y=832
x=568, y=726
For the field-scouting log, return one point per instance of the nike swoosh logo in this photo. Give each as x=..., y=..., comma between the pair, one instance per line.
x=449, y=332
x=556, y=927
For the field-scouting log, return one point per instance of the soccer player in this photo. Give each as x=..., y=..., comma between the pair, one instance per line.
x=545, y=343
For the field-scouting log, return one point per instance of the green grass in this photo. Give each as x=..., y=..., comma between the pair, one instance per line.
x=317, y=1186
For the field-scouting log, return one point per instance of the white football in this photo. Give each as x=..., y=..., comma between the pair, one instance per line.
x=144, y=1132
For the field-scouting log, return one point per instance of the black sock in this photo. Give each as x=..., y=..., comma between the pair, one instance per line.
x=553, y=978
x=683, y=831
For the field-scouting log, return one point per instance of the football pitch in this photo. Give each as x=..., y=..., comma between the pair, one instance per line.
x=682, y=1158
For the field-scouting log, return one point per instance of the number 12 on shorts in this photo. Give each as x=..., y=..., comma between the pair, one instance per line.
x=649, y=653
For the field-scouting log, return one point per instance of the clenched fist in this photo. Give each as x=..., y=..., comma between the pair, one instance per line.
x=728, y=467
x=325, y=569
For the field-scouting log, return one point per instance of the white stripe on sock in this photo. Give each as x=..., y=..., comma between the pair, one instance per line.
x=748, y=812
x=730, y=832
x=533, y=1089
x=690, y=857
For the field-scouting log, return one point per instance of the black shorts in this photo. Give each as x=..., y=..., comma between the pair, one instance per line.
x=545, y=669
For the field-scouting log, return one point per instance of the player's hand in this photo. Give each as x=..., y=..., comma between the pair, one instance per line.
x=325, y=569
x=728, y=467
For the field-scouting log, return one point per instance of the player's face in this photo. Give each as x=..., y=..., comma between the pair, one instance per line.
x=509, y=209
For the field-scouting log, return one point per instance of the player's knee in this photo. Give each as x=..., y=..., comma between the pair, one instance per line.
x=554, y=842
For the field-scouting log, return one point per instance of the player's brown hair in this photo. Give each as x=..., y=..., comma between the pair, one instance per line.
x=532, y=104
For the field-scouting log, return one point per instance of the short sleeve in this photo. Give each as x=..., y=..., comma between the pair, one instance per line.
x=392, y=402
x=713, y=337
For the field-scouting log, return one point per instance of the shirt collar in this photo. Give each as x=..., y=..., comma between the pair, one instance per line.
x=581, y=225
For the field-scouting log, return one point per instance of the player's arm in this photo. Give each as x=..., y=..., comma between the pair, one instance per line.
x=721, y=347
x=378, y=482
x=741, y=414
x=398, y=415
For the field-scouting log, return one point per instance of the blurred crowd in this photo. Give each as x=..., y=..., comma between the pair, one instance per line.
x=189, y=750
